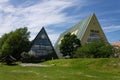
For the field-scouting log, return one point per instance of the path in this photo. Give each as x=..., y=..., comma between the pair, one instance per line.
x=33, y=64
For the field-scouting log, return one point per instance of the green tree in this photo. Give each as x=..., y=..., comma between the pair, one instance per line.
x=16, y=43
x=96, y=49
x=2, y=41
x=69, y=44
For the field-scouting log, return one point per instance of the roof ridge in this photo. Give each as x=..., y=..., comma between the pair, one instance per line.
x=74, y=26
x=85, y=22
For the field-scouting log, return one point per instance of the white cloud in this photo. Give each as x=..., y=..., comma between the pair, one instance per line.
x=44, y=13
x=3, y=1
x=111, y=28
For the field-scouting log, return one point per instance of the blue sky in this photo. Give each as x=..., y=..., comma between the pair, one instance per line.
x=58, y=15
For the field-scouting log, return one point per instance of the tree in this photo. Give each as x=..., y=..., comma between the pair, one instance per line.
x=69, y=44
x=96, y=49
x=15, y=43
x=2, y=41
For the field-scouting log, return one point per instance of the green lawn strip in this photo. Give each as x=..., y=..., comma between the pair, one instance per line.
x=65, y=69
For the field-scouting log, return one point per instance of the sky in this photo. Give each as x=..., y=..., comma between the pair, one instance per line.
x=58, y=15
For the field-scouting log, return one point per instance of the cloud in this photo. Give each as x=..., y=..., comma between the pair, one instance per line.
x=111, y=28
x=3, y=1
x=34, y=16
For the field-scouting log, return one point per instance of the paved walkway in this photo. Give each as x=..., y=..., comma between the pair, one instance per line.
x=33, y=64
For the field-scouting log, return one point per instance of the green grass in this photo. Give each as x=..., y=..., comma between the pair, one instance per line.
x=65, y=69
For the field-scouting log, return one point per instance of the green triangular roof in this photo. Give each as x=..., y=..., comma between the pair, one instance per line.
x=81, y=26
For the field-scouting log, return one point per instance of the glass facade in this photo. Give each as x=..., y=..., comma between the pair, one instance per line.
x=42, y=47
x=94, y=35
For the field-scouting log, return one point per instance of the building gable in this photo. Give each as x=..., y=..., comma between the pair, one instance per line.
x=42, y=48
x=93, y=31
x=86, y=30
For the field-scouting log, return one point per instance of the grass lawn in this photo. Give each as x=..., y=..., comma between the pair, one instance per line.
x=65, y=69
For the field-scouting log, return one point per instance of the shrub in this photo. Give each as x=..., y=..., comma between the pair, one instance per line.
x=96, y=49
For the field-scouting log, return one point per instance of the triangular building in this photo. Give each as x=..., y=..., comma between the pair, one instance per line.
x=42, y=48
x=87, y=30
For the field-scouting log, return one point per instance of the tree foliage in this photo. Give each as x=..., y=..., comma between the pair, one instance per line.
x=96, y=49
x=15, y=42
x=69, y=44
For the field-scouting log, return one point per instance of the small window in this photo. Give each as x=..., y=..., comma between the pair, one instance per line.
x=43, y=36
x=94, y=35
x=88, y=40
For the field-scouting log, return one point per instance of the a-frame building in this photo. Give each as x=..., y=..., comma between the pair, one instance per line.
x=87, y=30
x=42, y=48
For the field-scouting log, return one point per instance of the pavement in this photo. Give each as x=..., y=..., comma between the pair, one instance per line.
x=33, y=64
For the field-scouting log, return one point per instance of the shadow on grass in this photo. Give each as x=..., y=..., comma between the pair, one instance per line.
x=12, y=64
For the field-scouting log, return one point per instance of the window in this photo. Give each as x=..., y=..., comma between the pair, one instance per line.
x=88, y=40
x=94, y=35
x=96, y=31
x=43, y=36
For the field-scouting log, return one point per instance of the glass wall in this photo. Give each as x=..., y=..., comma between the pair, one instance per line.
x=42, y=47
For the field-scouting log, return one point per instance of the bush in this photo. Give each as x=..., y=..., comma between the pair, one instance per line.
x=96, y=49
